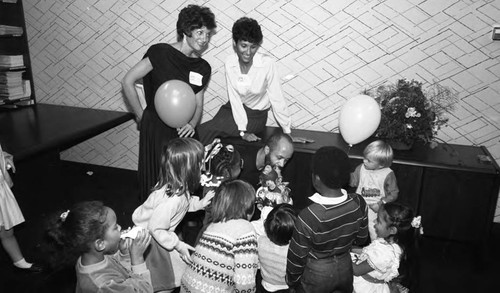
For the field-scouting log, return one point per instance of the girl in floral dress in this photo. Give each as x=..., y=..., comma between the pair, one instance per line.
x=390, y=254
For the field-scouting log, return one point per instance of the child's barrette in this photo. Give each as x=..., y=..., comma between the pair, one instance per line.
x=64, y=215
x=209, y=148
x=417, y=224
x=230, y=148
x=212, y=149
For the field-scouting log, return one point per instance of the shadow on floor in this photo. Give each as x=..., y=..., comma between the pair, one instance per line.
x=117, y=188
x=445, y=266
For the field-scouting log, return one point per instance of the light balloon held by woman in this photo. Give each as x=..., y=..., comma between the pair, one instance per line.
x=175, y=103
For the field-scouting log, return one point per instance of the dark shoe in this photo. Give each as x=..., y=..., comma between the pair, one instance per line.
x=35, y=268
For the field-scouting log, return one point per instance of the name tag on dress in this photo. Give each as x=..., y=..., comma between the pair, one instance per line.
x=195, y=78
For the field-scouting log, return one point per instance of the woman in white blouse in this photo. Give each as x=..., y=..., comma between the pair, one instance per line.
x=253, y=87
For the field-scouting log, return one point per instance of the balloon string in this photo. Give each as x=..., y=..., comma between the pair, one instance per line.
x=349, y=149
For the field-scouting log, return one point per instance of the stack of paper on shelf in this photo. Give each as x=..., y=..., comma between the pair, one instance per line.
x=10, y=30
x=12, y=86
x=11, y=61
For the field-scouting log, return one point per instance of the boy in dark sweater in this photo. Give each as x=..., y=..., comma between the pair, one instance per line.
x=318, y=256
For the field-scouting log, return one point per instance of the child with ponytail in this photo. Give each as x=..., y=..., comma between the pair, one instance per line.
x=222, y=163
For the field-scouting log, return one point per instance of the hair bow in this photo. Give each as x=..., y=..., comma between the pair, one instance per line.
x=417, y=224
x=64, y=215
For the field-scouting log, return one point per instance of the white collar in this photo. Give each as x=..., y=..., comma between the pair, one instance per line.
x=92, y=267
x=318, y=198
x=257, y=60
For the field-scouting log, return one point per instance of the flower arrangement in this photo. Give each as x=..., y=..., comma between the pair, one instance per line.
x=409, y=113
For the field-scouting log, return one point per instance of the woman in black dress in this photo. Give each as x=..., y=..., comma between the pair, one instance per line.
x=162, y=62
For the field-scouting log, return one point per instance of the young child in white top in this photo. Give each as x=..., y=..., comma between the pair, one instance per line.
x=392, y=253
x=273, y=247
x=374, y=180
x=165, y=208
x=89, y=235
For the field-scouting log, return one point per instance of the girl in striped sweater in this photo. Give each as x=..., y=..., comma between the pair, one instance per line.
x=225, y=258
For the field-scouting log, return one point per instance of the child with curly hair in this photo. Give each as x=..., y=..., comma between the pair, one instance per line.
x=89, y=235
x=318, y=255
x=222, y=163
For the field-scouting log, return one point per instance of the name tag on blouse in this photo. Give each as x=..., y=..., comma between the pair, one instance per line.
x=244, y=82
x=195, y=78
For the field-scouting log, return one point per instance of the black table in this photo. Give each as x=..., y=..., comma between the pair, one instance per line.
x=453, y=190
x=36, y=135
x=43, y=128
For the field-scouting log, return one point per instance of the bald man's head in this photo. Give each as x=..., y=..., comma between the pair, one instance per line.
x=278, y=149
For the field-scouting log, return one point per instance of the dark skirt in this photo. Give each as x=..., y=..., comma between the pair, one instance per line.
x=223, y=124
x=154, y=135
x=160, y=266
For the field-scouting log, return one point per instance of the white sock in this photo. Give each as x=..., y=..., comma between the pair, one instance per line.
x=23, y=264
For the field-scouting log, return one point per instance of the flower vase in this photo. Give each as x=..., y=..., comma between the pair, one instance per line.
x=400, y=145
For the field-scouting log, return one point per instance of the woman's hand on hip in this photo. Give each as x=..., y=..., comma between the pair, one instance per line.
x=186, y=131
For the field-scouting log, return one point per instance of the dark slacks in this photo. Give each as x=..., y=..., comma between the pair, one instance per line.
x=223, y=124
x=327, y=275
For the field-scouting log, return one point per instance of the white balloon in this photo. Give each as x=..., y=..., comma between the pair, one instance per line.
x=359, y=118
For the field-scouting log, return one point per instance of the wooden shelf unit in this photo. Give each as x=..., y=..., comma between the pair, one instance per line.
x=12, y=14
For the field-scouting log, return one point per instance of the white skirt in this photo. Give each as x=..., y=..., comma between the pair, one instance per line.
x=10, y=213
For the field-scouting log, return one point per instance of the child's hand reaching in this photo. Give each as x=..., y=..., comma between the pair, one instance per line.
x=207, y=198
x=138, y=246
x=183, y=249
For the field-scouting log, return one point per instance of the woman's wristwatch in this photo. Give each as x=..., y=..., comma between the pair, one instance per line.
x=242, y=133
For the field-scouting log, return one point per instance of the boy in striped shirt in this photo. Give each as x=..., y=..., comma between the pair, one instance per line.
x=318, y=257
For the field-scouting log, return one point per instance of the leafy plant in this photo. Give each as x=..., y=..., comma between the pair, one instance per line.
x=409, y=113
